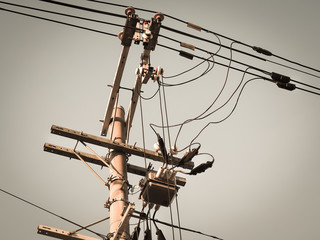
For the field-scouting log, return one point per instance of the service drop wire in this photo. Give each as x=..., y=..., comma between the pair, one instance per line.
x=52, y=213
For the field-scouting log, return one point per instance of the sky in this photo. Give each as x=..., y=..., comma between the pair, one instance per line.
x=264, y=183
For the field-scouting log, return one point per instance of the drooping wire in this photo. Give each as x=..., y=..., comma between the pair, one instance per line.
x=149, y=98
x=186, y=71
x=52, y=213
x=215, y=100
x=206, y=71
x=232, y=111
x=197, y=65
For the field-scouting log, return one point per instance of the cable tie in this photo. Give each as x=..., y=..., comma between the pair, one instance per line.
x=193, y=26
x=186, y=55
x=262, y=51
x=187, y=45
x=279, y=77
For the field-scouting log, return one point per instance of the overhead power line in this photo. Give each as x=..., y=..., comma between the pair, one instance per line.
x=199, y=28
x=188, y=55
x=258, y=49
x=233, y=49
x=63, y=14
x=84, y=8
x=181, y=52
x=59, y=22
x=169, y=38
x=227, y=47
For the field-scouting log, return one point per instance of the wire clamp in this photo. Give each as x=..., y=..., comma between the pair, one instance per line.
x=112, y=201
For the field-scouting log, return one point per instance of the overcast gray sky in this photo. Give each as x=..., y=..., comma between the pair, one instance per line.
x=265, y=183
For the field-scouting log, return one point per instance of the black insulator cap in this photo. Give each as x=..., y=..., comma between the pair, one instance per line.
x=186, y=55
x=279, y=77
x=261, y=50
x=288, y=86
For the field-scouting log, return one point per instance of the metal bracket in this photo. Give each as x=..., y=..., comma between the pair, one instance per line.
x=62, y=234
x=110, y=202
x=124, y=221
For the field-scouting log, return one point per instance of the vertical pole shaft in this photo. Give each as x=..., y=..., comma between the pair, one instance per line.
x=118, y=173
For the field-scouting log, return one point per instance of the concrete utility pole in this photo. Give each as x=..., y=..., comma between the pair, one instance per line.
x=159, y=187
x=118, y=173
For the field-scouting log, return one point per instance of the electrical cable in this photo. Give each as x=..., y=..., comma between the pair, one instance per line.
x=63, y=14
x=238, y=62
x=209, y=41
x=52, y=213
x=199, y=28
x=84, y=8
x=119, y=25
x=186, y=229
x=215, y=100
x=115, y=35
x=59, y=22
x=186, y=71
x=51, y=20
x=192, y=68
x=207, y=70
x=239, y=51
x=149, y=98
x=165, y=163
x=166, y=116
x=178, y=215
x=143, y=135
x=255, y=68
x=225, y=118
x=240, y=70
x=165, y=158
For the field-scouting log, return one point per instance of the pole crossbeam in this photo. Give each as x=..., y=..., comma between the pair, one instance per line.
x=62, y=234
x=121, y=147
x=68, y=152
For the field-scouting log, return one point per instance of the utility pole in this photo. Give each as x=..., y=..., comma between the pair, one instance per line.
x=158, y=187
x=118, y=199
